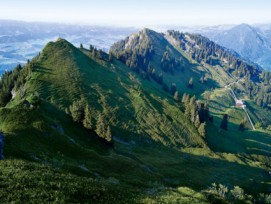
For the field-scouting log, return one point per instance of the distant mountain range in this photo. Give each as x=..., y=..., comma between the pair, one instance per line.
x=20, y=41
x=251, y=42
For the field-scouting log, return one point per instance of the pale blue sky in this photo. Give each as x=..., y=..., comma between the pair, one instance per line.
x=139, y=12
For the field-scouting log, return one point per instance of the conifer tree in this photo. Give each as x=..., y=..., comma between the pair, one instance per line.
x=176, y=96
x=192, y=101
x=100, y=54
x=108, y=134
x=187, y=112
x=190, y=83
x=77, y=111
x=202, y=80
x=187, y=100
x=193, y=113
x=202, y=130
x=87, y=122
x=94, y=52
x=197, y=122
x=100, y=126
x=184, y=98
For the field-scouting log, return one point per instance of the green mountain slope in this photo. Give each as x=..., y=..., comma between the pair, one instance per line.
x=199, y=57
x=211, y=67
x=180, y=67
x=157, y=154
x=128, y=103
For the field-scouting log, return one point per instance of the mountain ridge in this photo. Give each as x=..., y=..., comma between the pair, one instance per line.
x=156, y=146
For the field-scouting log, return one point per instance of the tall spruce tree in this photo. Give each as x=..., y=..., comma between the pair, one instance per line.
x=187, y=100
x=193, y=113
x=100, y=126
x=192, y=101
x=202, y=130
x=184, y=97
x=176, y=96
x=87, y=122
x=187, y=112
x=77, y=111
x=197, y=122
x=108, y=134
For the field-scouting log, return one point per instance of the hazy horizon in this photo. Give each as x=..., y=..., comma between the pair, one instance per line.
x=139, y=13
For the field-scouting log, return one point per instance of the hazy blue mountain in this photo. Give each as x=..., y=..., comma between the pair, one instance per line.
x=20, y=41
x=251, y=42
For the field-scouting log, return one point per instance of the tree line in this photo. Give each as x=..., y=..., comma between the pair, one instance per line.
x=256, y=84
x=197, y=112
x=168, y=63
x=81, y=113
x=15, y=80
x=138, y=56
x=202, y=49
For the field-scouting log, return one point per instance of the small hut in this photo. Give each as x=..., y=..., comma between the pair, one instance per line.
x=239, y=103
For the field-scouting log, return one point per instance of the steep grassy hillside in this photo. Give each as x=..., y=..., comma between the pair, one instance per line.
x=208, y=64
x=129, y=104
x=234, y=140
x=156, y=153
x=198, y=57
x=177, y=73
